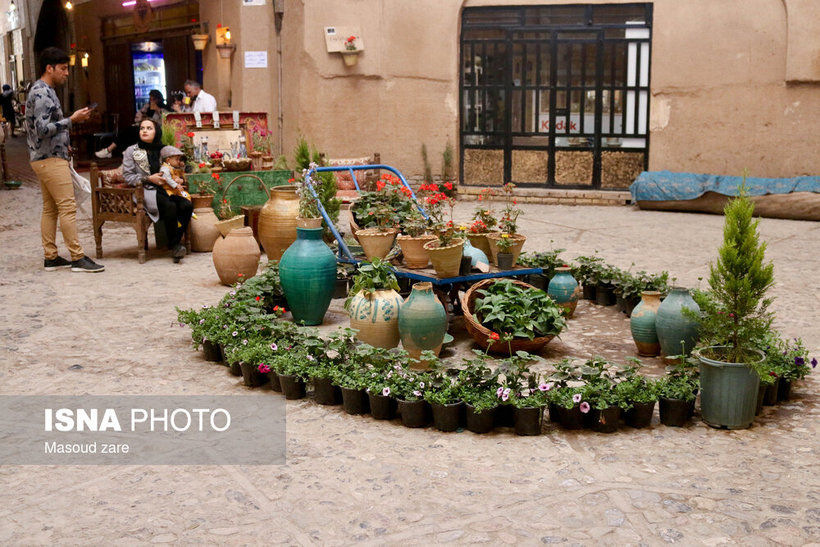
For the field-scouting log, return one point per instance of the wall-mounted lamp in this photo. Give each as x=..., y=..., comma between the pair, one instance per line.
x=13, y=6
x=223, y=42
x=68, y=5
x=226, y=50
x=72, y=59
x=84, y=60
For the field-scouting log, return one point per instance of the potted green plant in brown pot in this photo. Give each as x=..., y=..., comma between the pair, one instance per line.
x=412, y=238
x=509, y=225
x=447, y=249
x=736, y=316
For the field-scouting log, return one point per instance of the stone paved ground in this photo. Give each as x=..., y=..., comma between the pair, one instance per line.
x=355, y=480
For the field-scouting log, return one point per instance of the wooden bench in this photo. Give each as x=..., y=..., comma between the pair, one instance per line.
x=346, y=189
x=113, y=200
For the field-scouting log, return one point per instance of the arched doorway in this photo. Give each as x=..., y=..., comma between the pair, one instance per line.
x=52, y=28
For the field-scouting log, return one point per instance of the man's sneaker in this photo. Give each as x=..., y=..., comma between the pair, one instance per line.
x=85, y=264
x=55, y=263
x=102, y=154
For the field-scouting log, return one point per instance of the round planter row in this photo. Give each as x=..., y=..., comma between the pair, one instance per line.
x=452, y=417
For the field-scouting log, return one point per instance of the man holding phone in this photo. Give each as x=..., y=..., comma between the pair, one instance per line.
x=49, y=148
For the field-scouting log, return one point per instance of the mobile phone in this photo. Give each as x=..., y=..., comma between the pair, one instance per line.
x=92, y=106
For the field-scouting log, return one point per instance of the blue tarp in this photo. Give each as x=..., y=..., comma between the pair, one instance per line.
x=668, y=186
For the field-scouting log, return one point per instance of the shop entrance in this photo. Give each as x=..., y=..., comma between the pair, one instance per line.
x=555, y=96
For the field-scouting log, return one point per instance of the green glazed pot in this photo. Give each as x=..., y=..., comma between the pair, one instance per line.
x=564, y=289
x=307, y=272
x=676, y=333
x=642, y=324
x=422, y=321
x=728, y=392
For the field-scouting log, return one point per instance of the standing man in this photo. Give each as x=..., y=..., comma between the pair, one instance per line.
x=198, y=99
x=49, y=147
x=7, y=104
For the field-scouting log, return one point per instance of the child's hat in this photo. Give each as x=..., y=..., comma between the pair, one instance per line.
x=168, y=151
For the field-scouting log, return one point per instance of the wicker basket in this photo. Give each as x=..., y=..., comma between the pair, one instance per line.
x=481, y=334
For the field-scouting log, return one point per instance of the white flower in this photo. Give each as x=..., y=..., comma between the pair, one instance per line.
x=417, y=393
x=235, y=333
x=386, y=391
x=421, y=385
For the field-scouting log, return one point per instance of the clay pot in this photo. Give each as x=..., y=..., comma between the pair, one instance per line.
x=376, y=243
x=308, y=222
x=203, y=232
x=277, y=221
x=518, y=239
x=422, y=321
x=200, y=201
x=236, y=254
x=416, y=256
x=479, y=241
x=225, y=226
x=642, y=324
x=446, y=260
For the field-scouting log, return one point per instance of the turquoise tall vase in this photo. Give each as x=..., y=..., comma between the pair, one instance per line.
x=642, y=324
x=307, y=272
x=564, y=289
x=677, y=333
x=422, y=321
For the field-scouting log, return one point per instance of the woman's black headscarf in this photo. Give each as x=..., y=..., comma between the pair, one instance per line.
x=153, y=148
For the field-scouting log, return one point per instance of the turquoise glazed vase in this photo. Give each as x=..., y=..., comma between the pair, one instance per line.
x=422, y=321
x=564, y=289
x=307, y=272
x=642, y=324
x=476, y=255
x=677, y=333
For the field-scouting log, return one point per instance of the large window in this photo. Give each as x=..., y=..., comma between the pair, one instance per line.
x=555, y=95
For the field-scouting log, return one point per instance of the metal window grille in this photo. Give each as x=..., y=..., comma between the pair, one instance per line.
x=555, y=96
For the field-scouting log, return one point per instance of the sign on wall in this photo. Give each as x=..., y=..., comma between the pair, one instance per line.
x=335, y=38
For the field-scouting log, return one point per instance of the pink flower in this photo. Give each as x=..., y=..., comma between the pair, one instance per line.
x=585, y=407
x=417, y=393
x=499, y=391
x=576, y=398
x=543, y=387
x=263, y=368
x=386, y=391
x=274, y=347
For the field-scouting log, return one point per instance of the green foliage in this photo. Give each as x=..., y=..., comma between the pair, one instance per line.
x=324, y=183
x=681, y=380
x=787, y=359
x=631, y=285
x=478, y=383
x=386, y=207
x=738, y=282
x=505, y=307
x=428, y=169
x=546, y=260
x=637, y=389
x=444, y=388
x=587, y=269
x=447, y=162
x=370, y=277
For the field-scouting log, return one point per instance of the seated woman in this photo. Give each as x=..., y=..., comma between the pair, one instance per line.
x=154, y=110
x=141, y=165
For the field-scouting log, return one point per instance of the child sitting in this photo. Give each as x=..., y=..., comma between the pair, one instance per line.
x=171, y=170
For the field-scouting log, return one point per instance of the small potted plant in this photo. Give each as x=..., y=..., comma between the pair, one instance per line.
x=443, y=395
x=638, y=395
x=677, y=392
x=309, y=215
x=412, y=238
x=484, y=222
x=587, y=271
x=446, y=250
x=373, y=304
x=381, y=219
x=350, y=51
x=478, y=386
x=508, y=222
x=504, y=256
x=735, y=317
x=228, y=219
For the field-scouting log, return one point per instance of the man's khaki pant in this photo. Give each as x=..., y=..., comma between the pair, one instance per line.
x=58, y=203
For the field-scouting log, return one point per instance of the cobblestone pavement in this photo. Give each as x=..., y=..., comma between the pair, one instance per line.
x=355, y=480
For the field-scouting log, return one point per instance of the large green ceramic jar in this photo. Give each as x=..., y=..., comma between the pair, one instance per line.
x=422, y=321
x=564, y=289
x=677, y=333
x=307, y=272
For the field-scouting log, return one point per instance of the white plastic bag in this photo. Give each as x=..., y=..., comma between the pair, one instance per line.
x=82, y=191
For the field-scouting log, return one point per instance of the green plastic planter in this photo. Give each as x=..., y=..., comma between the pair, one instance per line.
x=728, y=393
